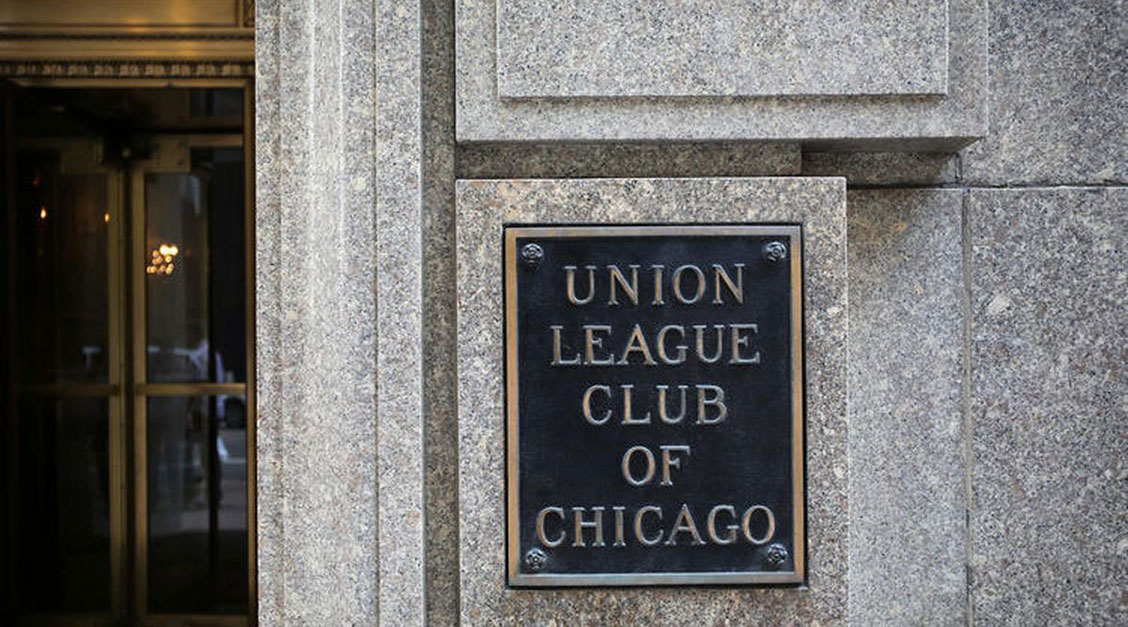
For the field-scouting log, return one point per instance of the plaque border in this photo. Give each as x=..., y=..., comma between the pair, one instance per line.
x=517, y=579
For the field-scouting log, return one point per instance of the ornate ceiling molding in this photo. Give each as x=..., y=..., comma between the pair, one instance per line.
x=126, y=69
x=39, y=47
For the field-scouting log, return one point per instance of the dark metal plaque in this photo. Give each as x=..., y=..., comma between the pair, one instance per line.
x=654, y=405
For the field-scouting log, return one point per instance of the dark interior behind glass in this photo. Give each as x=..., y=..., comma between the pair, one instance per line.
x=125, y=273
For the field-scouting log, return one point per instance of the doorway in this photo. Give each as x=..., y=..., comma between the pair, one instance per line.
x=129, y=379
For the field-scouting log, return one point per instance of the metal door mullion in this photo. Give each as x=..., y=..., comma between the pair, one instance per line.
x=118, y=436
x=250, y=412
x=136, y=298
x=191, y=389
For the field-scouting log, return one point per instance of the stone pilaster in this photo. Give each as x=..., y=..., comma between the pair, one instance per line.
x=338, y=218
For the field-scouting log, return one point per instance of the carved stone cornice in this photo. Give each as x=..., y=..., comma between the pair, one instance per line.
x=127, y=69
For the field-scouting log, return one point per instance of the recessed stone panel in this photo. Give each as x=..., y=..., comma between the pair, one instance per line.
x=905, y=75
x=643, y=48
x=484, y=208
x=908, y=508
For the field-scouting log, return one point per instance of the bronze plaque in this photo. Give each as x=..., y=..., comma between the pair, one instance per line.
x=654, y=405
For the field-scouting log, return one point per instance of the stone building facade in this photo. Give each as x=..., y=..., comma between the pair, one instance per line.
x=967, y=453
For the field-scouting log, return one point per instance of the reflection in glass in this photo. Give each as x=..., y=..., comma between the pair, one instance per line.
x=90, y=169
x=194, y=267
x=197, y=503
x=61, y=271
x=62, y=515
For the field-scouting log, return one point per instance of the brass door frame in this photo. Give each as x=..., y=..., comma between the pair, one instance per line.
x=143, y=390
x=127, y=303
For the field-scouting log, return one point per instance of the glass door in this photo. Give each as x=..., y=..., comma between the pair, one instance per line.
x=190, y=376
x=129, y=420
x=64, y=402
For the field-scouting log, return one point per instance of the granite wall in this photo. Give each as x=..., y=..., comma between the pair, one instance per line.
x=339, y=309
x=986, y=378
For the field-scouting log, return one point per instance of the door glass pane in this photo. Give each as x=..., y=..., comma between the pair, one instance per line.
x=62, y=505
x=61, y=271
x=197, y=504
x=68, y=271
x=195, y=270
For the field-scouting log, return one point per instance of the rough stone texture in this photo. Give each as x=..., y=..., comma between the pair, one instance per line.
x=623, y=160
x=883, y=168
x=397, y=66
x=1058, y=81
x=907, y=495
x=440, y=410
x=316, y=377
x=642, y=48
x=337, y=236
x=483, y=206
x=919, y=122
x=1049, y=522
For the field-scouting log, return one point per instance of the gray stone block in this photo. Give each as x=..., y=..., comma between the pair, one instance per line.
x=890, y=120
x=883, y=168
x=1058, y=109
x=1049, y=517
x=907, y=491
x=642, y=48
x=483, y=207
x=395, y=72
x=627, y=160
